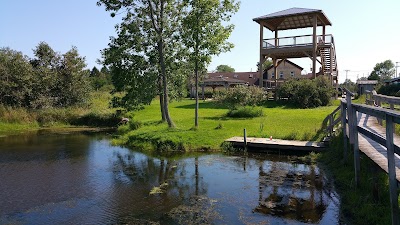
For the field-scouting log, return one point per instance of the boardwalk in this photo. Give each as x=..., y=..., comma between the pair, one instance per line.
x=277, y=144
x=372, y=149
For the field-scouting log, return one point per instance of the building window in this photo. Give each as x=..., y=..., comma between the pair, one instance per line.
x=251, y=76
x=292, y=73
x=235, y=75
x=272, y=75
x=281, y=75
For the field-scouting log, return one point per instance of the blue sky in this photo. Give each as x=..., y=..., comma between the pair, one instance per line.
x=365, y=32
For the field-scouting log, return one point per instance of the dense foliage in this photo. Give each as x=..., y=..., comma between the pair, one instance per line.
x=349, y=85
x=239, y=96
x=383, y=71
x=305, y=93
x=224, y=68
x=391, y=90
x=50, y=79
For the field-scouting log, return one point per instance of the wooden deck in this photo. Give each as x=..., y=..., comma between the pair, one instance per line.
x=375, y=151
x=277, y=144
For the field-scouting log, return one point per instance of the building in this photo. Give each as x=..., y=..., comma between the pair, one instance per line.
x=250, y=78
x=366, y=85
x=285, y=69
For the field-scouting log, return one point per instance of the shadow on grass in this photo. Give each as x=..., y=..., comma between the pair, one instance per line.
x=284, y=104
x=203, y=105
x=224, y=118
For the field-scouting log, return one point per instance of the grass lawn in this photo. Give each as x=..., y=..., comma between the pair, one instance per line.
x=279, y=121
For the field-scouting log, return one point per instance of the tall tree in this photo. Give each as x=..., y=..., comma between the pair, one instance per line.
x=15, y=78
x=267, y=63
x=147, y=38
x=73, y=85
x=224, y=68
x=205, y=34
x=45, y=65
x=383, y=71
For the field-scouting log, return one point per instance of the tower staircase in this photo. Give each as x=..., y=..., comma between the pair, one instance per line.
x=327, y=53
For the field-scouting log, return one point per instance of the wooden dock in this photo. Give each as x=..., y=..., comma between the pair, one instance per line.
x=277, y=144
x=375, y=151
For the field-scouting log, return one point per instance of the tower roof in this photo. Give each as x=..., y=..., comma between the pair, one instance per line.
x=293, y=18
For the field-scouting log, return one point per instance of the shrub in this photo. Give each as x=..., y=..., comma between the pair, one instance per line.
x=391, y=90
x=245, y=112
x=306, y=93
x=134, y=125
x=241, y=96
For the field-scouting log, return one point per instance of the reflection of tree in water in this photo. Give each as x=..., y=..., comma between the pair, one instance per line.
x=180, y=187
x=291, y=191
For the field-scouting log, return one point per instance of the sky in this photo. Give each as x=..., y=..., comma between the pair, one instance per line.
x=365, y=32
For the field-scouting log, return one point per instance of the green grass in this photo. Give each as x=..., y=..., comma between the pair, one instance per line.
x=279, y=121
x=364, y=204
x=96, y=113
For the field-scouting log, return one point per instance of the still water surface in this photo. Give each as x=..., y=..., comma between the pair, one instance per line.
x=49, y=178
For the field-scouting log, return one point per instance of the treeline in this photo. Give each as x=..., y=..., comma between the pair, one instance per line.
x=49, y=79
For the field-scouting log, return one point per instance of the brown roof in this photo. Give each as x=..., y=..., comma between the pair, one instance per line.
x=222, y=81
x=288, y=61
x=292, y=18
x=248, y=77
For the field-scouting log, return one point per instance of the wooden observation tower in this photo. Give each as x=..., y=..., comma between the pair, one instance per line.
x=318, y=47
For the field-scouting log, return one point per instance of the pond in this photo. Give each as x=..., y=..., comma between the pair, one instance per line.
x=80, y=178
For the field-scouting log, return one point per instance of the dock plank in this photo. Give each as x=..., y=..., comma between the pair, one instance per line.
x=375, y=151
x=277, y=144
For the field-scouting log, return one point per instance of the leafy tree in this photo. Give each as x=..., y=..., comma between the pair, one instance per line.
x=148, y=42
x=45, y=64
x=349, y=85
x=225, y=68
x=73, y=86
x=15, y=78
x=382, y=71
x=205, y=35
x=59, y=80
x=101, y=78
x=267, y=63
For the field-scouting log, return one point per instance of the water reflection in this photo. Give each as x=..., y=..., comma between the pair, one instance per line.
x=82, y=179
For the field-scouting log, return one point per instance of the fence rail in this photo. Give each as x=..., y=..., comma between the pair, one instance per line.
x=349, y=119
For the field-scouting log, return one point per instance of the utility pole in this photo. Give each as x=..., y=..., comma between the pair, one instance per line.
x=346, y=73
x=396, y=75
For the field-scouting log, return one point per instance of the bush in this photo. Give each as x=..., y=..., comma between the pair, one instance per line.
x=306, y=93
x=391, y=90
x=241, y=96
x=245, y=112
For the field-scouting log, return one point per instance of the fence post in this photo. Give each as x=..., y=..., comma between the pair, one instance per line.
x=392, y=170
x=330, y=125
x=349, y=115
x=356, y=150
x=343, y=109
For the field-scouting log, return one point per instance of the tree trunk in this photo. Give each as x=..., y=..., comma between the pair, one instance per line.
x=162, y=64
x=196, y=72
x=160, y=89
x=196, y=111
x=164, y=84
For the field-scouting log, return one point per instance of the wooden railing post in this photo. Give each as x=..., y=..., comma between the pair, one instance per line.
x=354, y=130
x=349, y=115
x=343, y=109
x=330, y=125
x=392, y=170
